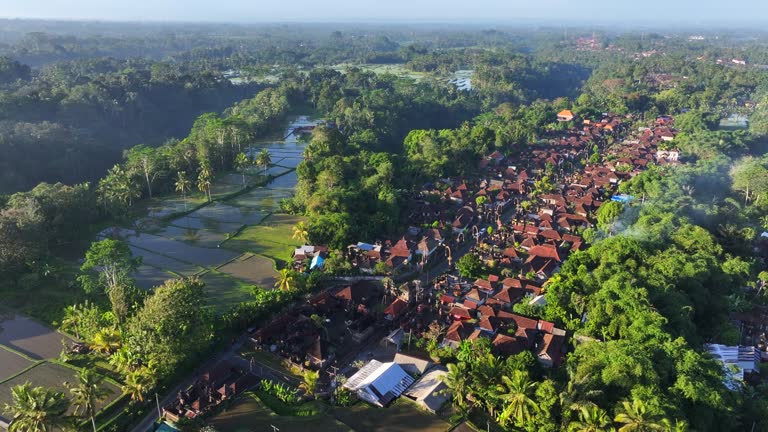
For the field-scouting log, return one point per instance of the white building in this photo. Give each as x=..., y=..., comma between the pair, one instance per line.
x=736, y=360
x=379, y=383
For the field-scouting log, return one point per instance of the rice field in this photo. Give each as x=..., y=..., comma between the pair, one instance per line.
x=180, y=251
x=273, y=238
x=253, y=269
x=30, y=337
x=54, y=376
x=11, y=363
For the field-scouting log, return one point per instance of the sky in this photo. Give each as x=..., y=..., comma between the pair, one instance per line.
x=645, y=12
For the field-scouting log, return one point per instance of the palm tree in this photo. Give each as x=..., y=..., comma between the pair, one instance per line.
x=300, y=232
x=204, y=180
x=37, y=409
x=73, y=315
x=241, y=163
x=138, y=383
x=516, y=392
x=285, y=279
x=677, y=426
x=309, y=381
x=124, y=360
x=183, y=185
x=636, y=417
x=87, y=393
x=107, y=340
x=264, y=159
x=592, y=418
x=457, y=381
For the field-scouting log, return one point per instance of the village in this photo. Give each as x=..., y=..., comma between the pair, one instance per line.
x=378, y=336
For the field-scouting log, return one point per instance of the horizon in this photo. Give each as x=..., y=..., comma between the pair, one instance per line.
x=654, y=13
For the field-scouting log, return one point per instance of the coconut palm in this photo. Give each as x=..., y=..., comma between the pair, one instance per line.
x=300, y=232
x=37, y=409
x=592, y=418
x=183, y=185
x=124, y=360
x=309, y=381
x=264, y=159
x=516, y=393
x=636, y=417
x=241, y=163
x=107, y=340
x=139, y=382
x=457, y=381
x=285, y=279
x=204, y=179
x=73, y=315
x=87, y=393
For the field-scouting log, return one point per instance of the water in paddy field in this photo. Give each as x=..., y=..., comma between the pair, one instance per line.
x=286, y=150
x=462, y=79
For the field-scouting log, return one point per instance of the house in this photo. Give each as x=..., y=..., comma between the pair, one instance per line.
x=549, y=351
x=565, y=116
x=411, y=364
x=737, y=361
x=457, y=332
x=429, y=391
x=395, y=309
x=379, y=383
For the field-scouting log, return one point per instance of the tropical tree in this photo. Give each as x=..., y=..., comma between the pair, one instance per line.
x=139, y=382
x=124, y=359
x=309, y=381
x=301, y=232
x=107, y=340
x=516, y=393
x=145, y=161
x=241, y=163
x=264, y=159
x=37, y=409
x=592, y=418
x=183, y=185
x=204, y=179
x=86, y=393
x=457, y=381
x=108, y=263
x=73, y=316
x=286, y=279
x=636, y=417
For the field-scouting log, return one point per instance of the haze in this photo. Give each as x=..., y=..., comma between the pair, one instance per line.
x=649, y=12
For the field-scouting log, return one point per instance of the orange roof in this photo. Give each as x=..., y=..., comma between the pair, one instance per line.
x=565, y=113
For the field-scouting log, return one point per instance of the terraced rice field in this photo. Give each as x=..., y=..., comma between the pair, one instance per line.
x=54, y=376
x=273, y=238
x=181, y=251
x=11, y=364
x=222, y=291
x=30, y=337
x=253, y=269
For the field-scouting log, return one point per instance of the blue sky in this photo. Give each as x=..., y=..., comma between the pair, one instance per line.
x=646, y=12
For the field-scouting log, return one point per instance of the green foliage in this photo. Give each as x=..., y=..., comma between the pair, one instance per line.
x=37, y=409
x=172, y=326
x=470, y=266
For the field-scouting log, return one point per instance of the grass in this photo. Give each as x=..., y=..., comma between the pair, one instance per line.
x=248, y=414
x=273, y=238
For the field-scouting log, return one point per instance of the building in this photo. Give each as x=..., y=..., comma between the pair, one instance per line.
x=565, y=116
x=429, y=392
x=379, y=383
x=412, y=365
x=737, y=361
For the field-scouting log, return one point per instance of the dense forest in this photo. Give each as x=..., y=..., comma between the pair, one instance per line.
x=94, y=123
